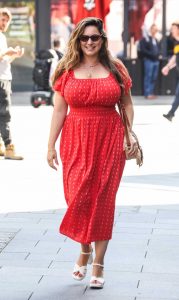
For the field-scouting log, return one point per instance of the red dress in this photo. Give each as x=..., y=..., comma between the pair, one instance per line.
x=91, y=151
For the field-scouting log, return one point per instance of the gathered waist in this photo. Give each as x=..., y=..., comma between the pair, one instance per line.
x=92, y=111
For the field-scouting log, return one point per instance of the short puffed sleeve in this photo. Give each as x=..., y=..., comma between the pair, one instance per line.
x=127, y=82
x=60, y=83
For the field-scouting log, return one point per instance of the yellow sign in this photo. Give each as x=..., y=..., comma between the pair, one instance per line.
x=176, y=49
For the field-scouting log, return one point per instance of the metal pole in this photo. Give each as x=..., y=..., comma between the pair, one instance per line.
x=125, y=27
x=164, y=41
x=43, y=24
x=69, y=10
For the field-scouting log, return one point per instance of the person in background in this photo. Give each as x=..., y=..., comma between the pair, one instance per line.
x=57, y=55
x=92, y=144
x=56, y=47
x=173, y=62
x=7, y=55
x=170, y=41
x=150, y=50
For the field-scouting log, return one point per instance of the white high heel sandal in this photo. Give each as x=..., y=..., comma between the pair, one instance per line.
x=97, y=282
x=81, y=271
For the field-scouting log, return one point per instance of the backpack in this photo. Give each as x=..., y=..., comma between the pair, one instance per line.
x=41, y=70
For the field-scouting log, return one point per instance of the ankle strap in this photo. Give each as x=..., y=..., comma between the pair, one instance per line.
x=86, y=253
x=95, y=264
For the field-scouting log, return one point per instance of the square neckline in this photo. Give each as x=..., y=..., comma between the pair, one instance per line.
x=73, y=73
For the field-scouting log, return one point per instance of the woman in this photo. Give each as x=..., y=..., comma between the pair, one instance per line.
x=92, y=142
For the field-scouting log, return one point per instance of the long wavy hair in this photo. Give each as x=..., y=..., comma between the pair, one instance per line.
x=74, y=54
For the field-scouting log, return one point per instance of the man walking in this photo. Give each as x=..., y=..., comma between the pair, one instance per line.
x=173, y=62
x=149, y=48
x=7, y=55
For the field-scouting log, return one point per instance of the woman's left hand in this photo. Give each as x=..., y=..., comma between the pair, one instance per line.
x=52, y=158
x=133, y=148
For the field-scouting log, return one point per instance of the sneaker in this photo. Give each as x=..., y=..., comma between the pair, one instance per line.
x=1, y=150
x=10, y=153
x=168, y=116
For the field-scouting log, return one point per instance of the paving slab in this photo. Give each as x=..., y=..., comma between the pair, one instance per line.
x=138, y=217
x=57, y=287
x=167, y=241
x=161, y=266
x=167, y=207
x=41, y=256
x=162, y=277
x=10, y=256
x=115, y=286
x=144, y=298
x=19, y=220
x=166, y=232
x=24, y=281
x=49, y=223
x=122, y=208
x=5, y=238
x=54, y=215
x=104, y=297
x=158, y=289
x=163, y=214
x=147, y=225
x=148, y=209
x=26, y=264
x=163, y=253
x=17, y=295
x=127, y=238
x=120, y=230
x=21, y=245
x=47, y=247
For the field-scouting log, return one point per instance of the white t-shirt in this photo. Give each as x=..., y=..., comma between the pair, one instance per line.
x=5, y=66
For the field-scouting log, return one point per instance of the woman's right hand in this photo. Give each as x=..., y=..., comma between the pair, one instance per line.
x=52, y=158
x=133, y=145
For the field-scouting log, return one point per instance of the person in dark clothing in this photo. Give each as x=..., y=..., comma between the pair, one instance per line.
x=170, y=45
x=173, y=62
x=150, y=50
x=56, y=47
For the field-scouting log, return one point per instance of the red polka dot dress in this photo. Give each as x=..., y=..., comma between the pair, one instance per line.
x=91, y=151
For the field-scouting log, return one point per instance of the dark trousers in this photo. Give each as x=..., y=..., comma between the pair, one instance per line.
x=150, y=76
x=175, y=103
x=5, y=117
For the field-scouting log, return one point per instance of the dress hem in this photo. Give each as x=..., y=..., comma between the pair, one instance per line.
x=82, y=241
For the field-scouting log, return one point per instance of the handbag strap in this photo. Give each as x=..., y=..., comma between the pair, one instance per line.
x=125, y=121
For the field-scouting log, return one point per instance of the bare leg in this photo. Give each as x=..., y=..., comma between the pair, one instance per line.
x=100, y=249
x=83, y=259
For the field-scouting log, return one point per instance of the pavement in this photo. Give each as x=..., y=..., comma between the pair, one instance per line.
x=142, y=261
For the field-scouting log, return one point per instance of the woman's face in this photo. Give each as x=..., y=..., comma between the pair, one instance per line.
x=91, y=46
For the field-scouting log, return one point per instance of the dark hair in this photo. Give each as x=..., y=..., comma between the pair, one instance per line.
x=176, y=24
x=91, y=21
x=56, y=43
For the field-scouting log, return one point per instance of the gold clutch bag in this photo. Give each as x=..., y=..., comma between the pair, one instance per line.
x=138, y=156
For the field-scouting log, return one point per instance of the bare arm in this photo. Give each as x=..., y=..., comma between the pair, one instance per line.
x=170, y=65
x=7, y=53
x=58, y=117
x=128, y=105
x=11, y=53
